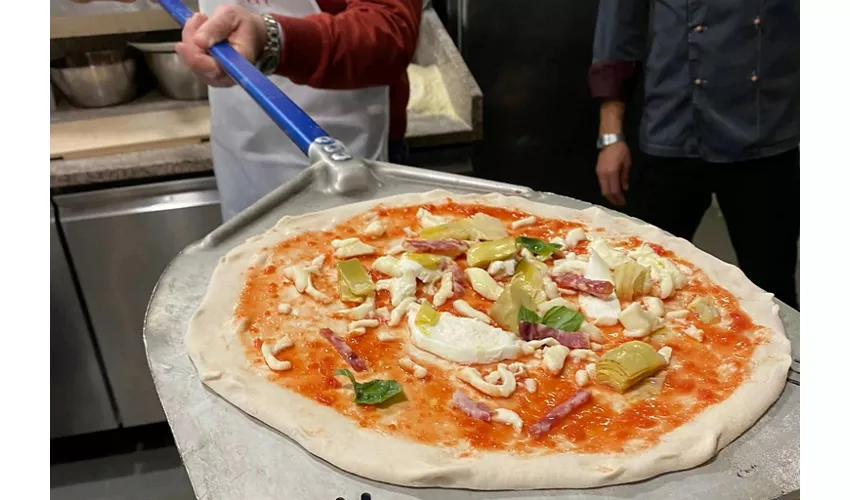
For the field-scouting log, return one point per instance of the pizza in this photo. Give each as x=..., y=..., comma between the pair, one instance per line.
x=489, y=342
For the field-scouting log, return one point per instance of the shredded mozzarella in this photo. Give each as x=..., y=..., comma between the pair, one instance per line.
x=502, y=267
x=694, y=332
x=375, y=229
x=467, y=310
x=505, y=416
x=352, y=247
x=445, y=291
x=678, y=314
x=414, y=369
x=582, y=378
x=483, y=283
x=574, y=236
x=427, y=219
x=583, y=354
x=399, y=311
x=314, y=293
x=269, y=351
x=472, y=377
x=362, y=311
x=654, y=306
x=523, y=222
x=554, y=358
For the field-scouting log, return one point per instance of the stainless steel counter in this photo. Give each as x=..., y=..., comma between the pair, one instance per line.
x=229, y=455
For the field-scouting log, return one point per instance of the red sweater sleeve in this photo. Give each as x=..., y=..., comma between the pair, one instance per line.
x=353, y=44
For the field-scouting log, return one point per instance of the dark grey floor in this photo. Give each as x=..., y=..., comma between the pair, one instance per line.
x=144, y=464
x=148, y=474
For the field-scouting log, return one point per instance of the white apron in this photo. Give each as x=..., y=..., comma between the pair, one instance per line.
x=252, y=156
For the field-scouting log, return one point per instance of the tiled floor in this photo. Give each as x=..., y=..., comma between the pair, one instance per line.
x=143, y=464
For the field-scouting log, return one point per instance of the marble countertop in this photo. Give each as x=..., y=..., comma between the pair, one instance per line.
x=131, y=166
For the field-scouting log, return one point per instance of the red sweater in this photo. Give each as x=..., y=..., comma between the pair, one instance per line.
x=354, y=44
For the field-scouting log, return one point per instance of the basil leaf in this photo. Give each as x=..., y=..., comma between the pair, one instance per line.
x=372, y=392
x=537, y=247
x=527, y=315
x=376, y=391
x=563, y=318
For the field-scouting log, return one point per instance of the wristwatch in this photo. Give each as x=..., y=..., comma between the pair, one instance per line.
x=606, y=140
x=270, y=57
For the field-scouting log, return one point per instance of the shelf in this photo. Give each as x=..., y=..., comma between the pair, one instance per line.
x=110, y=24
x=149, y=102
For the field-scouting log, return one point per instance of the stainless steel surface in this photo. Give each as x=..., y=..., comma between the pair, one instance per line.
x=120, y=241
x=174, y=77
x=229, y=455
x=98, y=80
x=79, y=398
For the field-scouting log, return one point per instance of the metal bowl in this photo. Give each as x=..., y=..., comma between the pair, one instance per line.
x=174, y=77
x=95, y=79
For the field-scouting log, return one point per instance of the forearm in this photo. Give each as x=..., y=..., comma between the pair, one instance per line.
x=611, y=114
x=370, y=43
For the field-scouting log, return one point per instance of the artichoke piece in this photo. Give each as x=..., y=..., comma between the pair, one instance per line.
x=454, y=230
x=631, y=280
x=345, y=293
x=427, y=315
x=523, y=291
x=482, y=254
x=650, y=387
x=354, y=275
x=623, y=367
x=426, y=260
x=531, y=278
x=706, y=311
x=506, y=308
x=485, y=227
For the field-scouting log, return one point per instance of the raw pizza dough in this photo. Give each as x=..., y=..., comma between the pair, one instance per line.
x=428, y=95
x=214, y=345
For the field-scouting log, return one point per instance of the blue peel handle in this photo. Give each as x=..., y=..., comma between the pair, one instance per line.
x=297, y=125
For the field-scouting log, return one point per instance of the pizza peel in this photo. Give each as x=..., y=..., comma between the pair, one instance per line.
x=230, y=455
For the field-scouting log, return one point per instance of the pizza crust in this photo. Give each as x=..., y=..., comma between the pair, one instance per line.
x=214, y=345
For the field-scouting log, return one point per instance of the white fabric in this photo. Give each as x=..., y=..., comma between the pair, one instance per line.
x=252, y=156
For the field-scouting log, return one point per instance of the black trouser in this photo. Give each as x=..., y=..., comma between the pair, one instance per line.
x=760, y=200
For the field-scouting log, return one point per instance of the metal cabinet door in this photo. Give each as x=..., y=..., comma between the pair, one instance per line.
x=120, y=242
x=79, y=401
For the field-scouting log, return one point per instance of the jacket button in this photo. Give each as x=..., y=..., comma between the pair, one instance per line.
x=757, y=21
x=697, y=82
x=754, y=78
x=699, y=28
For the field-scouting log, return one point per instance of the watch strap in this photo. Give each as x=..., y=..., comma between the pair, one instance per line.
x=270, y=56
x=606, y=140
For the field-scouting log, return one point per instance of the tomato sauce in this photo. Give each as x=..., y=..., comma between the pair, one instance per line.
x=425, y=413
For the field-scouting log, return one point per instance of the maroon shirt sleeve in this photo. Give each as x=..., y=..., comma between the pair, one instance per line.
x=351, y=44
x=607, y=79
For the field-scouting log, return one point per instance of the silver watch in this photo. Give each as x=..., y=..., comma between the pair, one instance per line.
x=606, y=140
x=270, y=57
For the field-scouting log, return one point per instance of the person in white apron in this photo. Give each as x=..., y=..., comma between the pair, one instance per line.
x=252, y=156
